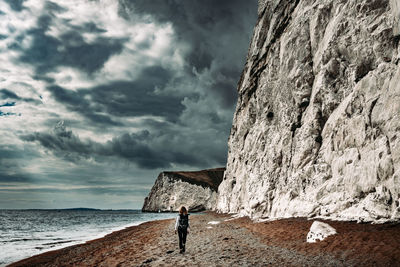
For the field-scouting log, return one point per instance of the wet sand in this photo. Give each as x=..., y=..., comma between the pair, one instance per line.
x=233, y=242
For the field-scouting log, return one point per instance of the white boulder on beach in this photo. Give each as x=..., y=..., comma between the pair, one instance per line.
x=319, y=231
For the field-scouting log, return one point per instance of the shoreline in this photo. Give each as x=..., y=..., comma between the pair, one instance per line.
x=53, y=254
x=59, y=230
x=237, y=241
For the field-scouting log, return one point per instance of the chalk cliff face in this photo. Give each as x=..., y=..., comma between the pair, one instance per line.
x=195, y=190
x=316, y=130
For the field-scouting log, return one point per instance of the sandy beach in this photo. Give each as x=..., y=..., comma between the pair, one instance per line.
x=233, y=242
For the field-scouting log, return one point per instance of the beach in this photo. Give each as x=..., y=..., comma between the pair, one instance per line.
x=222, y=240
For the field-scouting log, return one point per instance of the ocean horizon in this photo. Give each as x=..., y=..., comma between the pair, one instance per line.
x=28, y=232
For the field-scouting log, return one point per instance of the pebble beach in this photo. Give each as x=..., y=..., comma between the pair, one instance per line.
x=222, y=240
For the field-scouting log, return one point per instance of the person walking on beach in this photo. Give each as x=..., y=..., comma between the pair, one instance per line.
x=182, y=226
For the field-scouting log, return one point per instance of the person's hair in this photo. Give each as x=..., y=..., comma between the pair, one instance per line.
x=183, y=210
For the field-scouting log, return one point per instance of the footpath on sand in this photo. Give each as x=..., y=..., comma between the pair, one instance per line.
x=219, y=240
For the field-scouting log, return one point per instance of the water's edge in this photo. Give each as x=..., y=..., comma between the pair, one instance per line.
x=20, y=241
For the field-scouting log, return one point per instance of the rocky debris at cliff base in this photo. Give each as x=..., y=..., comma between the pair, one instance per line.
x=319, y=231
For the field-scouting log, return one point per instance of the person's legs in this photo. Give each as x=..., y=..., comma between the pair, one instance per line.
x=184, y=234
x=180, y=234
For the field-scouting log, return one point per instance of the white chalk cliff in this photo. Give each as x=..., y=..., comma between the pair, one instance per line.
x=196, y=191
x=316, y=130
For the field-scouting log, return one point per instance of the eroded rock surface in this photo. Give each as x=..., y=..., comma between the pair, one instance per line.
x=317, y=125
x=195, y=190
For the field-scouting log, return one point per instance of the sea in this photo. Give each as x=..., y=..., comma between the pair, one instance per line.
x=24, y=233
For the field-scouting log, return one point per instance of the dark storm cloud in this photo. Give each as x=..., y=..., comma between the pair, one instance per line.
x=47, y=53
x=75, y=101
x=147, y=150
x=215, y=30
x=16, y=5
x=218, y=31
x=8, y=104
x=7, y=94
x=3, y=114
x=123, y=98
x=161, y=96
x=88, y=27
x=69, y=49
x=14, y=178
x=10, y=170
x=129, y=146
x=53, y=7
x=138, y=97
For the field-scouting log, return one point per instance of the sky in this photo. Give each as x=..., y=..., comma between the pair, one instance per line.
x=97, y=97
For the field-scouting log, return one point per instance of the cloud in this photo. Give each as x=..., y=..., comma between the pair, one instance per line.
x=107, y=103
x=147, y=150
x=7, y=94
x=16, y=5
x=143, y=87
x=10, y=169
x=8, y=104
x=123, y=98
x=215, y=32
x=69, y=49
x=14, y=178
